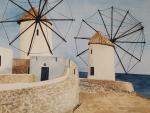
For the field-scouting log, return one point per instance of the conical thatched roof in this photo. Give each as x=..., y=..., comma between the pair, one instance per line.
x=98, y=38
x=29, y=16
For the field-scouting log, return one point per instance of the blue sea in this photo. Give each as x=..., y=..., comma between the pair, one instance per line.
x=140, y=82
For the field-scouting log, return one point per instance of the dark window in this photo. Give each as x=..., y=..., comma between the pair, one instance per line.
x=37, y=32
x=0, y=60
x=44, y=64
x=28, y=70
x=91, y=51
x=92, y=71
x=56, y=59
x=74, y=71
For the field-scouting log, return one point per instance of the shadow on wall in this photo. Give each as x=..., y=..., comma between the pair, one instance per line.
x=21, y=66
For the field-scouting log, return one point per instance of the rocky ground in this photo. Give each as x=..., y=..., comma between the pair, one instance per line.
x=110, y=101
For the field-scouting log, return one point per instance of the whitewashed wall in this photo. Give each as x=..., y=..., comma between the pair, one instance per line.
x=56, y=66
x=6, y=61
x=39, y=47
x=102, y=59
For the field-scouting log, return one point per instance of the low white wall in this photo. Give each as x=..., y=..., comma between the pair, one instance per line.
x=6, y=61
x=53, y=96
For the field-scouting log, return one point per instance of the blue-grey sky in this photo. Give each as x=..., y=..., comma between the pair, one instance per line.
x=84, y=8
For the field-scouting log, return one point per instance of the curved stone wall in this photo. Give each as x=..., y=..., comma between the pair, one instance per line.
x=91, y=85
x=54, y=96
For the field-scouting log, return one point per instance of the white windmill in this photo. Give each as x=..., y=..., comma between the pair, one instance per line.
x=39, y=23
x=101, y=58
x=105, y=33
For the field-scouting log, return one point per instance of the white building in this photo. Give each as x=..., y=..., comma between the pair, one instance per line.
x=6, y=59
x=39, y=46
x=101, y=58
x=46, y=67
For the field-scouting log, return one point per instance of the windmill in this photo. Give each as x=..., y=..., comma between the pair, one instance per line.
x=107, y=32
x=38, y=24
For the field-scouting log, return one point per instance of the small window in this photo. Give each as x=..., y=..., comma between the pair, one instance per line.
x=37, y=32
x=92, y=71
x=74, y=71
x=28, y=70
x=91, y=51
x=56, y=59
x=0, y=60
x=44, y=64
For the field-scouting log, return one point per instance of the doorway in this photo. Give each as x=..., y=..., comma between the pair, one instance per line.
x=44, y=73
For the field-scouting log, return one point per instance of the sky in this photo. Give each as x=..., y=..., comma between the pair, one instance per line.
x=84, y=8
x=139, y=8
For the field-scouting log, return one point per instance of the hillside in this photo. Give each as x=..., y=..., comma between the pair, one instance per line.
x=109, y=99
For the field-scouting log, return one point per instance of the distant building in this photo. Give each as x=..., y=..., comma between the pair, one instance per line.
x=101, y=58
x=6, y=59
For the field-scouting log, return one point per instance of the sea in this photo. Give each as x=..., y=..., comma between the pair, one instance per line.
x=141, y=83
